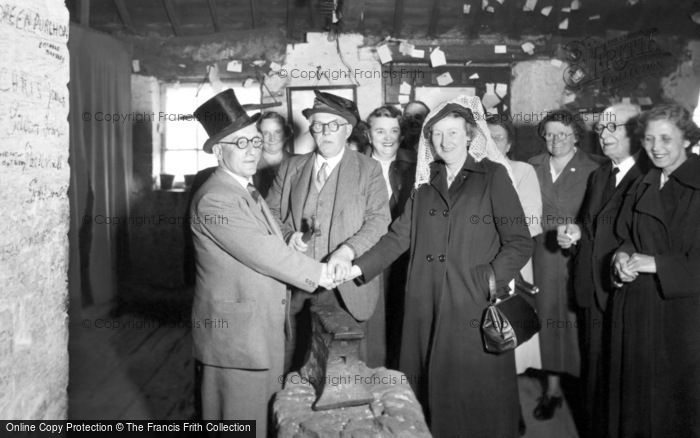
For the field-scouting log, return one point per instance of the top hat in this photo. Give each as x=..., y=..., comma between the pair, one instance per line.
x=221, y=115
x=332, y=104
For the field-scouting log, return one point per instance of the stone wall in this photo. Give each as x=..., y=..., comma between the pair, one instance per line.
x=34, y=219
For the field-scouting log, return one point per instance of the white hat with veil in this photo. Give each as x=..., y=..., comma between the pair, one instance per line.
x=480, y=147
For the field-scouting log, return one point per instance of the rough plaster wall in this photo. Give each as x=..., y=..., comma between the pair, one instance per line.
x=683, y=85
x=536, y=87
x=305, y=58
x=35, y=216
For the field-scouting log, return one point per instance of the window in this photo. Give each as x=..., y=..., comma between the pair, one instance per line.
x=183, y=137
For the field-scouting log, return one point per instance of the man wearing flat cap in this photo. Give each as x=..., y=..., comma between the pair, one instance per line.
x=243, y=266
x=333, y=206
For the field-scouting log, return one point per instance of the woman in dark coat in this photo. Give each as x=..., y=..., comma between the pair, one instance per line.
x=399, y=172
x=463, y=220
x=655, y=372
x=563, y=173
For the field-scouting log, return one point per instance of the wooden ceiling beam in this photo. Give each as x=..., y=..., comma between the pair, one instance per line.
x=434, y=18
x=214, y=15
x=124, y=15
x=398, y=17
x=253, y=13
x=172, y=16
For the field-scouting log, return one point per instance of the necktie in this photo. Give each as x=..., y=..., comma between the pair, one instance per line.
x=322, y=176
x=612, y=183
x=253, y=192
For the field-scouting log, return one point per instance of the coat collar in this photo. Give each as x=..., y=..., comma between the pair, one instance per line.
x=687, y=173
x=437, y=168
x=262, y=214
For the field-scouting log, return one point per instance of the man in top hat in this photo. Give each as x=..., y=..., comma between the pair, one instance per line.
x=241, y=300
x=333, y=206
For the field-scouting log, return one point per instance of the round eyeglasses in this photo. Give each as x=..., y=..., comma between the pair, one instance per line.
x=318, y=127
x=612, y=127
x=243, y=142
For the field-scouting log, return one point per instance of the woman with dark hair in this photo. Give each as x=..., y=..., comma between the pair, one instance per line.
x=563, y=172
x=276, y=132
x=399, y=171
x=462, y=183
x=655, y=360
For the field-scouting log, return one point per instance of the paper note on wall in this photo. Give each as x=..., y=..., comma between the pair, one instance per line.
x=384, y=54
x=529, y=5
x=437, y=58
x=444, y=79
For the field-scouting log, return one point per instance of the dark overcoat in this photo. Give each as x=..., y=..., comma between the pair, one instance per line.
x=561, y=201
x=453, y=235
x=592, y=283
x=655, y=368
x=597, y=220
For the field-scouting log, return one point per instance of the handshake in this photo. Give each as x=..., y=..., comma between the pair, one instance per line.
x=337, y=270
x=332, y=275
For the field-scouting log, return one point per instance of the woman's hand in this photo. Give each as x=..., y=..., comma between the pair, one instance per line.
x=622, y=269
x=642, y=263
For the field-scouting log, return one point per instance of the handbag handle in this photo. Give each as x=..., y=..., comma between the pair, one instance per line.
x=492, y=283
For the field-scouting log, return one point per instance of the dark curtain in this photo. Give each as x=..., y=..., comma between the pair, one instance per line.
x=101, y=163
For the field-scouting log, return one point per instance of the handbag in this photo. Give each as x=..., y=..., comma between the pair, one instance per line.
x=510, y=321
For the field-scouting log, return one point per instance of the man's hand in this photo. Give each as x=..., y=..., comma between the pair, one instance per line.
x=622, y=269
x=340, y=262
x=326, y=280
x=641, y=263
x=296, y=242
x=568, y=235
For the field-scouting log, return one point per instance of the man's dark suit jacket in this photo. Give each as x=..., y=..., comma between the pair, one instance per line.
x=598, y=241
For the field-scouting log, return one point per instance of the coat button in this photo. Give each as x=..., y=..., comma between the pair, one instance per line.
x=284, y=301
x=446, y=213
x=432, y=212
x=441, y=257
x=429, y=257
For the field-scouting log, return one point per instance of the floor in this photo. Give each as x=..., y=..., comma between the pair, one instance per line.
x=131, y=366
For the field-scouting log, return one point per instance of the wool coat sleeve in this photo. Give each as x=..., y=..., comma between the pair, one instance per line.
x=238, y=232
x=516, y=243
x=390, y=246
x=376, y=217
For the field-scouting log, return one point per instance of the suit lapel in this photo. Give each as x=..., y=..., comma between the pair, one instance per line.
x=348, y=169
x=236, y=188
x=621, y=188
x=439, y=182
x=649, y=201
x=271, y=222
x=300, y=189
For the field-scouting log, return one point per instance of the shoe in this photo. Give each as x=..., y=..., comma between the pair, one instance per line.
x=546, y=405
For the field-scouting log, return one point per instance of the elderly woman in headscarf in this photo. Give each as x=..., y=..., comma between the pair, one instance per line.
x=462, y=223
